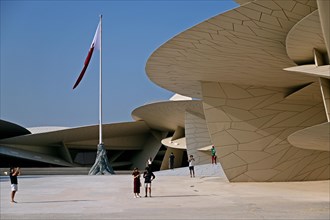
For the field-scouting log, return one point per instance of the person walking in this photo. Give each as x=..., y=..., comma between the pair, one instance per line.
x=148, y=178
x=136, y=183
x=213, y=154
x=191, y=162
x=14, y=172
x=171, y=161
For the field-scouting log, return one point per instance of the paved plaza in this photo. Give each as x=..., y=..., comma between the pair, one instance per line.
x=174, y=196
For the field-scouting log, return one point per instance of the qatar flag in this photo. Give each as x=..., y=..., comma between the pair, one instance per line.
x=96, y=44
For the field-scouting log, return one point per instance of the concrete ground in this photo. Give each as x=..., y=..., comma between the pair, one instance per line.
x=174, y=196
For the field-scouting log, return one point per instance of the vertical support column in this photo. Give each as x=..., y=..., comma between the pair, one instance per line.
x=324, y=12
x=197, y=137
x=64, y=151
x=325, y=90
x=179, y=133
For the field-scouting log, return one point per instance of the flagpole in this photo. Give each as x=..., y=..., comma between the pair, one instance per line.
x=100, y=86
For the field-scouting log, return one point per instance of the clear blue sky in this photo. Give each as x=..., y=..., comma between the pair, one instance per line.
x=44, y=45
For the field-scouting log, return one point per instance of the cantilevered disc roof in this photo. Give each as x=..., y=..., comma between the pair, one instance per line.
x=8, y=129
x=168, y=115
x=305, y=36
x=87, y=134
x=244, y=46
x=314, y=138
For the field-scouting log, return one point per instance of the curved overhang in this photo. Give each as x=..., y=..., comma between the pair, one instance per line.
x=128, y=135
x=9, y=129
x=312, y=69
x=176, y=144
x=243, y=46
x=168, y=115
x=324, y=11
x=44, y=129
x=31, y=155
x=313, y=138
x=206, y=149
x=304, y=37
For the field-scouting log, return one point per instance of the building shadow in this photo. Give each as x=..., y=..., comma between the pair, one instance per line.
x=58, y=201
x=177, y=196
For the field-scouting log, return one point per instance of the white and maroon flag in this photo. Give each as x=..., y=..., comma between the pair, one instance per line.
x=95, y=45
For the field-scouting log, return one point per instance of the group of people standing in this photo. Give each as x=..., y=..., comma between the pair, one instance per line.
x=148, y=176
